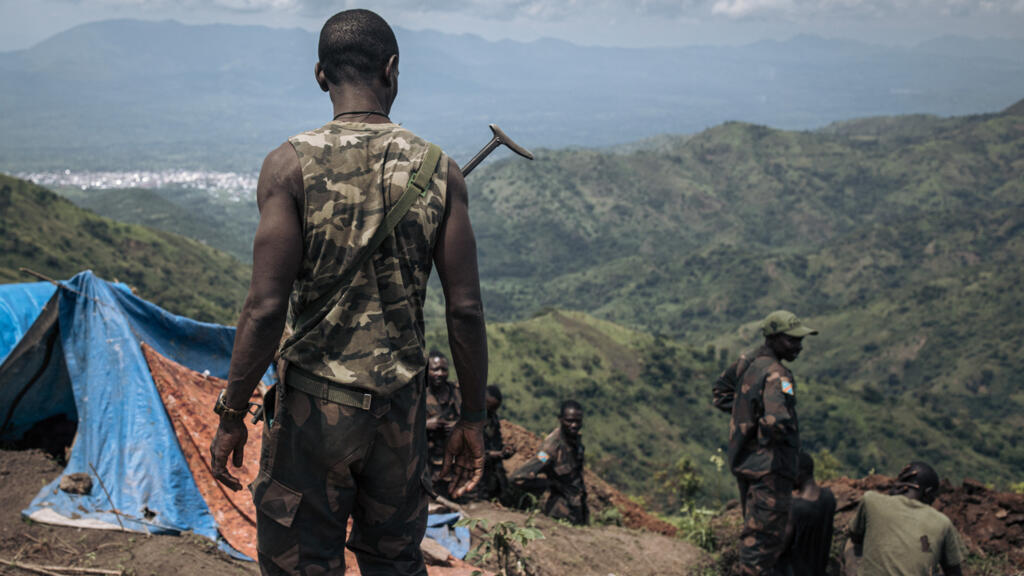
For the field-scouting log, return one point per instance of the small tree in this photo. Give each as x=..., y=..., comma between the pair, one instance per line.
x=826, y=465
x=679, y=484
x=500, y=540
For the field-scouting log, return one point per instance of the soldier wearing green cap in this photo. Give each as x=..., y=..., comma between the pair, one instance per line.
x=764, y=437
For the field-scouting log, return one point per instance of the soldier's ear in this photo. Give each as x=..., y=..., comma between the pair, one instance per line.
x=391, y=71
x=321, y=77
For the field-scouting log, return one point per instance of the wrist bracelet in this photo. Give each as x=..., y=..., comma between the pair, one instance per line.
x=221, y=408
x=477, y=416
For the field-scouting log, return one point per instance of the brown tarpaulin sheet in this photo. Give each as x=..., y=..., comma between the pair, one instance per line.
x=189, y=397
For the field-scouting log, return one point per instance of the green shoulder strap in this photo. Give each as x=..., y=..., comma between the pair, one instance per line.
x=317, y=310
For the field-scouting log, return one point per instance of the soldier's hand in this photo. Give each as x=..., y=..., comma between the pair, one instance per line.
x=228, y=442
x=464, y=457
x=508, y=452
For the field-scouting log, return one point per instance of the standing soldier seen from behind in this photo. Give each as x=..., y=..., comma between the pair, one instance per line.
x=443, y=403
x=808, y=543
x=764, y=437
x=347, y=437
x=558, y=468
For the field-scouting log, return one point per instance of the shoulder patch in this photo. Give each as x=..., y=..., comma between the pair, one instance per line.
x=787, y=387
x=543, y=456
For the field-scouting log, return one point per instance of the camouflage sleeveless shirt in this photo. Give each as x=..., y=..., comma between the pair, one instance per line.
x=353, y=173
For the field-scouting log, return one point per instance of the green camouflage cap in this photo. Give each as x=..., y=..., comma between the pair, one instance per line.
x=786, y=322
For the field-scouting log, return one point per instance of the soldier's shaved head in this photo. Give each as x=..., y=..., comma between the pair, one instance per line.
x=919, y=481
x=569, y=405
x=805, y=468
x=355, y=45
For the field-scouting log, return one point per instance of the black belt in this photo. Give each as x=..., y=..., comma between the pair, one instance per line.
x=324, y=389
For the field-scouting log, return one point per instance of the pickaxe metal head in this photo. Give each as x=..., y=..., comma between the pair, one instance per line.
x=498, y=139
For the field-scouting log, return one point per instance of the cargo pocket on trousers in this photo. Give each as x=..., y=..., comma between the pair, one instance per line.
x=277, y=501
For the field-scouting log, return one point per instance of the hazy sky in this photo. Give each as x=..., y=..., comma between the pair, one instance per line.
x=602, y=22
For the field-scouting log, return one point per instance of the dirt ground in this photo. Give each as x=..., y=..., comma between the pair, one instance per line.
x=598, y=550
x=24, y=473
x=594, y=550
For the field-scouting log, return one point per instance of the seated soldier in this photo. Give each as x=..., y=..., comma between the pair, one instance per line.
x=560, y=462
x=808, y=541
x=494, y=484
x=901, y=534
x=443, y=404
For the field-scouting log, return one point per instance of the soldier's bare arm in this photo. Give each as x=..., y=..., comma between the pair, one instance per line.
x=455, y=258
x=277, y=253
x=531, y=476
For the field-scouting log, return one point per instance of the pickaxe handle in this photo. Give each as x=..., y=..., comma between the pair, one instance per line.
x=498, y=139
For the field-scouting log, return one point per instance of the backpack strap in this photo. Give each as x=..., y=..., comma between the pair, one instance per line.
x=317, y=310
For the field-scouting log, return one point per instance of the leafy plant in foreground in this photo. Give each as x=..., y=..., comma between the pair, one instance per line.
x=500, y=541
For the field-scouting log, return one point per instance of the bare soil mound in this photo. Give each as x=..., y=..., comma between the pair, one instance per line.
x=990, y=523
x=601, y=496
x=592, y=550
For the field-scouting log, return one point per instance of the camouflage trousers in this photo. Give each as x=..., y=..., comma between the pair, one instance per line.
x=564, y=507
x=766, y=502
x=323, y=462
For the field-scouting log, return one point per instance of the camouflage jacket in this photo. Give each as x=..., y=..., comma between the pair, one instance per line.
x=561, y=463
x=724, y=389
x=444, y=411
x=764, y=435
x=353, y=173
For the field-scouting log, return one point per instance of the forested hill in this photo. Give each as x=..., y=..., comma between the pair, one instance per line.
x=41, y=231
x=900, y=238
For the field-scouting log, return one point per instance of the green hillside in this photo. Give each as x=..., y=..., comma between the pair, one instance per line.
x=675, y=241
x=646, y=398
x=901, y=238
x=224, y=222
x=48, y=234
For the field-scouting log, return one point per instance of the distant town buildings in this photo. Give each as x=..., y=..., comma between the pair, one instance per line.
x=231, y=184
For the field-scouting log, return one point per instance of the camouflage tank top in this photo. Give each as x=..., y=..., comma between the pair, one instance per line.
x=353, y=173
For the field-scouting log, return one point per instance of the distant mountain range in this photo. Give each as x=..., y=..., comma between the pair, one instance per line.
x=130, y=94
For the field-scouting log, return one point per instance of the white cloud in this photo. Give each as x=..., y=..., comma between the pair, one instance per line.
x=745, y=8
x=556, y=10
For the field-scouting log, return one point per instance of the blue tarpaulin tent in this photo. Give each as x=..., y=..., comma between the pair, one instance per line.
x=20, y=305
x=81, y=361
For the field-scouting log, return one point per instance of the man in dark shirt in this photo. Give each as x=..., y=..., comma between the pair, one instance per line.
x=443, y=402
x=560, y=461
x=494, y=484
x=809, y=531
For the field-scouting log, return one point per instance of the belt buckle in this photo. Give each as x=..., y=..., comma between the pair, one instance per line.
x=367, y=399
